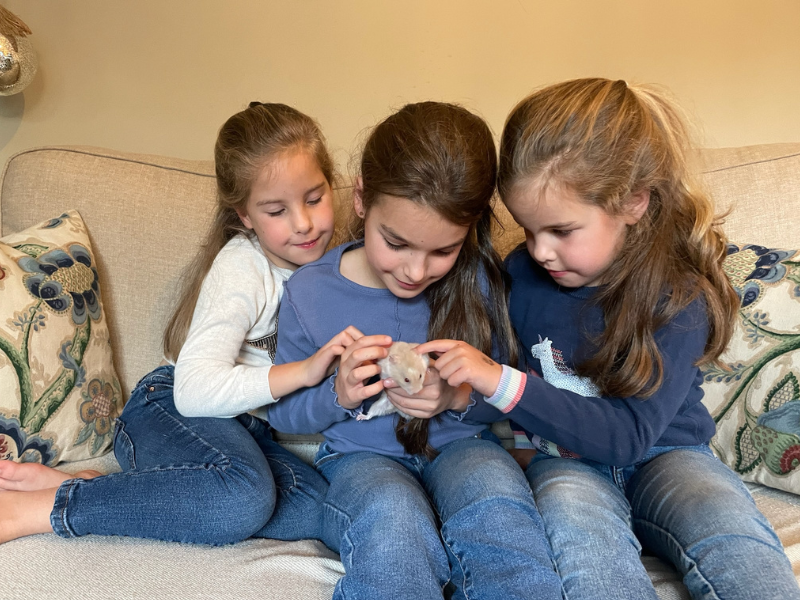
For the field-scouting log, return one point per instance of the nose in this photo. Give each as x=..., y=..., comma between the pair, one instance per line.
x=414, y=270
x=540, y=250
x=302, y=222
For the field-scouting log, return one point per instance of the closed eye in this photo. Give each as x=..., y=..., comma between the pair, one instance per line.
x=395, y=247
x=562, y=232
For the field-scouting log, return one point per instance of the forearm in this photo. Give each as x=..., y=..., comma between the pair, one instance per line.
x=205, y=388
x=288, y=377
x=308, y=410
x=608, y=430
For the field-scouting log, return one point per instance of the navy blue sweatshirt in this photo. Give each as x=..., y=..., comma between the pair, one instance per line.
x=552, y=323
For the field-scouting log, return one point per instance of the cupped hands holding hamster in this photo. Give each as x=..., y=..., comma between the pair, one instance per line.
x=359, y=364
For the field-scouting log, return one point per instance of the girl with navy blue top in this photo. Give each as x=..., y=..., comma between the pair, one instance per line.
x=415, y=510
x=617, y=297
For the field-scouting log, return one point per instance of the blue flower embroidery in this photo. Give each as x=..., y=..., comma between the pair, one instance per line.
x=17, y=444
x=64, y=280
x=747, y=267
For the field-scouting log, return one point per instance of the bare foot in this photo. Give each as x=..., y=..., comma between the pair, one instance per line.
x=28, y=477
x=25, y=513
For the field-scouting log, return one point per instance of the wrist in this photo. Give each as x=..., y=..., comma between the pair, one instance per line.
x=344, y=401
x=461, y=398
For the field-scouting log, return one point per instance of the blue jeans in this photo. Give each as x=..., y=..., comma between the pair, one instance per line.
x=681, y=504
x=408, y=528
x=196, y=480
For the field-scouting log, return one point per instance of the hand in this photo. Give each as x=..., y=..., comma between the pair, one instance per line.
x=324, y=361
x=356, y=366
x=523, y=456
x=460, y=363
x=436, y=396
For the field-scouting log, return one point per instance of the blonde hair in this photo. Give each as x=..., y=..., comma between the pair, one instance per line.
x=443, y=157
x=608, y=140
x=246, y=144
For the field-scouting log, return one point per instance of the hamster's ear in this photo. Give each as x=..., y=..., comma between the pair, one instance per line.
x=358, y=204
x=636, y=206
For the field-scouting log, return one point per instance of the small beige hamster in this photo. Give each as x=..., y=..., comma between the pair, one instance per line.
x=407, y=368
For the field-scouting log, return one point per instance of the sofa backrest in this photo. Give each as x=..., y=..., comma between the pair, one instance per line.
x=147, y=215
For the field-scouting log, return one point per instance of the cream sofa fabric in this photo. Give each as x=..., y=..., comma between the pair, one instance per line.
x=146, y=217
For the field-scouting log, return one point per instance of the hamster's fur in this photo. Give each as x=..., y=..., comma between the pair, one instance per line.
x=407, y=368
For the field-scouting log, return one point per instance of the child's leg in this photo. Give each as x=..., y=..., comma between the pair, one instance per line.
x=377, y=516
x=691, y=509
x=588, y=522
x=490, y=525
x=184, y=479
x=300, y=489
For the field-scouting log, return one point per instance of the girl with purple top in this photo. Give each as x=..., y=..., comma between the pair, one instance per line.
x=406, y=525
x=618, y=297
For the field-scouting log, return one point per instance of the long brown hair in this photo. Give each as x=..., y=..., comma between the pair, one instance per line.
x=246, y=144
x=444, y=157
x=607, y=141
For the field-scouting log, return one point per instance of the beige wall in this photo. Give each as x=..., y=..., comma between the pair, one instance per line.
x=160, y=76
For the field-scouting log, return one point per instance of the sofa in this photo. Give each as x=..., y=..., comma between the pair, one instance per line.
x=146, y=216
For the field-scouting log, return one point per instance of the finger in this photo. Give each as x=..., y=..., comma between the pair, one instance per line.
x=364, y=372
x=437, y=346
x=367, y=391
x=370, y=353
x=353, y=332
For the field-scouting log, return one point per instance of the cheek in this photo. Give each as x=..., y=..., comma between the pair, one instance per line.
x=325, y=216
x=441, y=265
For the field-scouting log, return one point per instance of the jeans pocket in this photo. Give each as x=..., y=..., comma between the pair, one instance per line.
x=123, y=447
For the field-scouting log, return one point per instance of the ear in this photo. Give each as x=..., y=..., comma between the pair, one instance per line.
x=636, y=206
x=358, y=203
x=244, y=218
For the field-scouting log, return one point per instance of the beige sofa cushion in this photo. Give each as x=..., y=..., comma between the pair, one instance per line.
x=59, y=393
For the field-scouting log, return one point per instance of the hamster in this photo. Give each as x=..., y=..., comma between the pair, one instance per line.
x=407, y=368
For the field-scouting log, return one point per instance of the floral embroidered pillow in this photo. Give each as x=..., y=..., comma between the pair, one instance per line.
x=756, y=404
x=59, y=393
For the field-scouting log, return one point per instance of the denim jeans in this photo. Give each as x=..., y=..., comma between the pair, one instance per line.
x=681, y=504
x=196, y=480
x=408, y=528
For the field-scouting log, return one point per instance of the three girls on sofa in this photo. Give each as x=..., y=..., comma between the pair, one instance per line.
x=617, y=297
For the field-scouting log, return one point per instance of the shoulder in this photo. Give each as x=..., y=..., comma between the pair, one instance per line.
x=524, y=271
x=693, y=317
x=241, y=253
x=242, y=264
x=318, y=272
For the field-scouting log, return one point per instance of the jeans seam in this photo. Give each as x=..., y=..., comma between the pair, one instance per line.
x=226, y=461
x=682, y=550
x=62, y=517
x=287, y=466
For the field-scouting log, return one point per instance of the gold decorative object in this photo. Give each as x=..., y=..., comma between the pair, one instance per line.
x=17, y=58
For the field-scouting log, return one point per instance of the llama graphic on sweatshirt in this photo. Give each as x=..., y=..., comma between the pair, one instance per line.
x=555, y=372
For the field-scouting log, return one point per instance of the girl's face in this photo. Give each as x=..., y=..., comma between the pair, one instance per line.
x=290, y=209
x=408, y=246
x=575, y=241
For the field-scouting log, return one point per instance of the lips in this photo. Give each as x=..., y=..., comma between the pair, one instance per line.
x=308, y=245
x=408, y=286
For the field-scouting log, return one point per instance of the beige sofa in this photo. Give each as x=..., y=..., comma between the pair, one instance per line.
x=146, y=216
